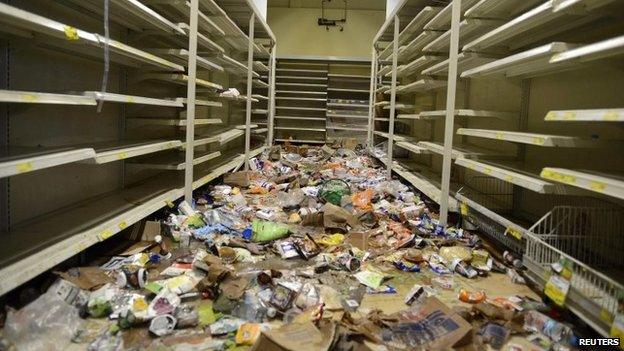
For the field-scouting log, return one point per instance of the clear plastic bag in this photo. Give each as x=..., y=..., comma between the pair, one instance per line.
x=48, y=323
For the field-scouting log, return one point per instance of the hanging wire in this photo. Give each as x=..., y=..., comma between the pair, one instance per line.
x=106, y=55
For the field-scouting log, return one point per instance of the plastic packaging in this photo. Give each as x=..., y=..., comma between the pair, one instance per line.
x=48, y=323
x=290, y=199
x=267, y=231
x=363, y=199
x=495, y=335
x=538, y=322
x=333, y=190
x=163, y=324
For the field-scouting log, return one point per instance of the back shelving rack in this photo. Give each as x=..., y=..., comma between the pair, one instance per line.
x=347, y=101
x=83, y=160
x=534, y=162
x=300, y=100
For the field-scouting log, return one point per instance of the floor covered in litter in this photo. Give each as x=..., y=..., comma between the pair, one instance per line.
x=312, y=249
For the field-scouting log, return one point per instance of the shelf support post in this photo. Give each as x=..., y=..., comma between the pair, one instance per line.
x=450, y=113
x=190, y=104
x=271, y=103
x=395, y=58
x=371, y=106
x=250, y=55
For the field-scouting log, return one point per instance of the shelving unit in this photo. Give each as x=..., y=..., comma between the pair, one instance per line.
x=542, y=75
x=127, y=149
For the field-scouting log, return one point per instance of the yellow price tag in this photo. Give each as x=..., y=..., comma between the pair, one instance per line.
x=557, y=288
x=611, y=116
x=170, y=204
x=24, y=167
x=122, y=155
x=597, y=186
x=29, y=97
x=509, y=178
x=122, y=225
x=499, y=136
x=106, y=234
x=487, y=170
x=617, y=329
x=560, y=177
x=514, y=232
x=464, y=209
x=538, y=141
x=550, y=116
x=71, y=33
x=569, y=116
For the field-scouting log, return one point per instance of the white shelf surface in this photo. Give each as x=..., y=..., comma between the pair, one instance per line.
x=301, y=128
x=396, y=137
x=612, y=47
x=301, y=92
x=464, y=151
x=534, y=25
x=504, y=222
x=301, y=118
x=465, y=61
x=200, y=102
x=180, y=56
x=529, y=63
x=259, y=83
x=415, y=46
x=204, y=44
x=130, y=99
x=33, y=97
x=304, y=141
x=442, y=20
x=121, y=150
x=384, y=70
x=503, y=9
x=298, y=70
x=468, y=29
x=414, y=27
x=180, y=79
x=547, y=140
x=347, y=127
x=606, y=184
x=179, y=10
x=173, y=122
x=346, y=105
x=517, y=176
x=411, y=147
x=348, y=90
x=30, y=25
x=595, y=115
x=465, y=113
x=259, y=66
x=307, y=85
x=292, y=108
x=400, y=107
x=133, y=15
x=420, y=86
x=42, y=243
x=300, y=98
x=417, y=65
x=221, y=137
x=18, y=160
x=344, y=115
x=175, y=161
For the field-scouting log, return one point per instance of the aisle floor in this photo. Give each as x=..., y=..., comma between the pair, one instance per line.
x=313, y=249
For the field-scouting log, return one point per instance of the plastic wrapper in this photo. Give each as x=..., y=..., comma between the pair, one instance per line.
x=165, y=302
x=268, y=231
x=333, y=190
x=363, y=199
x=48, y=323
x=290, y=199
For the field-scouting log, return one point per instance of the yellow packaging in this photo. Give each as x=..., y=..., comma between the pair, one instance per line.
x=247, y=334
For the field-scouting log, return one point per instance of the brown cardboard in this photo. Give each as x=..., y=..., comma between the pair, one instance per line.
x=358, y=239
x=150, y=230
x=87, y=278
x=137, y=247
x=240, y=179
x=297, y=337
x=349, y=143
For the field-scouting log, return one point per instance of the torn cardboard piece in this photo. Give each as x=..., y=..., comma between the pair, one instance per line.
x=297, y=337
x=87, y=278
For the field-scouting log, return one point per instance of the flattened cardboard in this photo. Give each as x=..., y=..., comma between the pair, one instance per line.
x=150, y=230
x=240, y=179
x=297, y=337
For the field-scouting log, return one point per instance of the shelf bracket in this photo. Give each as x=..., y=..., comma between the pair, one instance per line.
x=450, y=113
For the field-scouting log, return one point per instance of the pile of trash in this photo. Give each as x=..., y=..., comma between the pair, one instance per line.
x=311, y=249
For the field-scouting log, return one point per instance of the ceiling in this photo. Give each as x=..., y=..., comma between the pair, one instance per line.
x=379, y=5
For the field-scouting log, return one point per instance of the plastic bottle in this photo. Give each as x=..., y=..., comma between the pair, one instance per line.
x=539, y=322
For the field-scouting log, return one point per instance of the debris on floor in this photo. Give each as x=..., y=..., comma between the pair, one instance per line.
x=311, y=249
